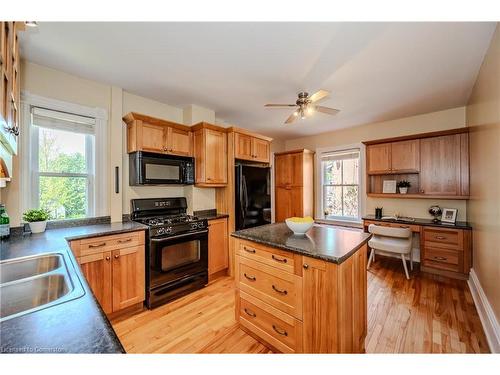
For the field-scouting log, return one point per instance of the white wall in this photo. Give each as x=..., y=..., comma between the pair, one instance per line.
x=442, y=120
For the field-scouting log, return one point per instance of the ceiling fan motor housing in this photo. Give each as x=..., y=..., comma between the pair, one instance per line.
x=302, y=100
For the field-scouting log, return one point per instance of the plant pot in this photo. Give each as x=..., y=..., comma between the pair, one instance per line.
x=38, y=226
x=403, y=190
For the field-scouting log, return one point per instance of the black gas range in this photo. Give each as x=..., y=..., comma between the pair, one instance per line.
x=177, y=248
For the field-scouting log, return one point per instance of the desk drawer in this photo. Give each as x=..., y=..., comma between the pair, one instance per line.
x=444, y=238
x=277, y=288
x=443, y=259
x=283, y=260
x=412, y=227
x=273, y=326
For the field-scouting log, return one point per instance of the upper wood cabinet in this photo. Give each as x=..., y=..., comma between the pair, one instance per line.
x=145, y=133
x=294, y=179
x=436, y=164
x=445, y=165
x=250, y=146
x=210, y=153
x=393, y=157
x=10, y=62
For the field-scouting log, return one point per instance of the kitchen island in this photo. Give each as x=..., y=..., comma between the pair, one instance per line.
x=302, y=294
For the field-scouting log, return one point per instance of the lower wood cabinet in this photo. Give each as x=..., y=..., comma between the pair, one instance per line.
x=218, y=254
x=298, y=304
x=114, y=267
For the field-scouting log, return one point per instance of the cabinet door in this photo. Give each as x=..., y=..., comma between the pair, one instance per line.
x=297, y=169
x=297, y=202
x=179, y=142
x=282, y=170
x=261, y=150
x=405, y=156
x=154, y=138
x=378, y=158
x=440, y=165
x=218, y=256
x=283, y=204
x=243, y=146
x=128, y=277
x=216, y=157
x=97, y=271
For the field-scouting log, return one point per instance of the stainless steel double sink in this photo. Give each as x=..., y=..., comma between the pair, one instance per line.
x=32, y=283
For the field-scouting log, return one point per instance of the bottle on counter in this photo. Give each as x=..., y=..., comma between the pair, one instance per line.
x=4, y=223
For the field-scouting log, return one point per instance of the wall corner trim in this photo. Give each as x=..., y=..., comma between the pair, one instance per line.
x=488, y=319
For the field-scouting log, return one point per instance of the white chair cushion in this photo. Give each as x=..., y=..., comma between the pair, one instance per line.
x=391, y=245
x=389, y=232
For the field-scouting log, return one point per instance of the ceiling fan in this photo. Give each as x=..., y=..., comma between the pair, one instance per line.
x=305, y=106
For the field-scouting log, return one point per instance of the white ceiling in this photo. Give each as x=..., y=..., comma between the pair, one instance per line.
x=375, y=71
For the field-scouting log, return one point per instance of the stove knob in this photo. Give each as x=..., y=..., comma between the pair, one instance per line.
x=200, y=224
x=161, y=231
x=193, y=226
x=169, y=230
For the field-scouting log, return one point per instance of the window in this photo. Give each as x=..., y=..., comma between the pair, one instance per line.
x=62, y=164
x=340, y=181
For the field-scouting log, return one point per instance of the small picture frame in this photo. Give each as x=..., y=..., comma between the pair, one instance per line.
x=449, y=215
x=389, y=187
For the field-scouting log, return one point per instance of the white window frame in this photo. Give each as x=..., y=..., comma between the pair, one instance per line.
x=96, y=149
x=319, y=189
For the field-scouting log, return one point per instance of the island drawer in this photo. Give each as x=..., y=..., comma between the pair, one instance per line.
x=277, y=288
x=281, y=259
x=278, y=329
x=102, y=244
x=444, y=238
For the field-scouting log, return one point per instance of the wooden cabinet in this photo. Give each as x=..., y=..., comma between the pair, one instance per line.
x=436, y=164
x=10, y=62
x=218, y=254
x=443, y=165
x=294, y=180
x=298, y=304
x=114, y=267
x=253, y=147
x=210, y=153
x=145, y=133
x=378, y=158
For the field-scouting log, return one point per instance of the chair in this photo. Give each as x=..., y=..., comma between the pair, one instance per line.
x=391, y=240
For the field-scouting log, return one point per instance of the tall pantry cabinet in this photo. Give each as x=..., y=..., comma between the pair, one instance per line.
x=294, y=184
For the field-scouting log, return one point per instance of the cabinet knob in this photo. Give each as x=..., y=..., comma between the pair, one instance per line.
x=422, y=191
x=107, y=258
x=305, y=266
x=117, y=256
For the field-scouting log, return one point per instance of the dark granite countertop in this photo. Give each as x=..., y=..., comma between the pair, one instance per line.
x=76, y=326
x=210, y=214
x=424, y=222
x=326, y=242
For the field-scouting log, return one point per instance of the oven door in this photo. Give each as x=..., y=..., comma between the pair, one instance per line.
x=178, y=257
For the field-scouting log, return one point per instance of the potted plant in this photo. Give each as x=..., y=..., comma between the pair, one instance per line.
x=403, y=186
x=37, y=220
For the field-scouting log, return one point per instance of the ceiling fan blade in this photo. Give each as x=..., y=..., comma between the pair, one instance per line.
x=291, y=118
x=318, y=95
x=327, y=110
x=280, y=105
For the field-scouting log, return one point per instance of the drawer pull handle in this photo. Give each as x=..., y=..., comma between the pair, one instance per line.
x=280, y=291
x=98, y=245
x=251, y=278
x=440, y=258
x=250, y=313
x=440, y=238
x=284, y=260
x=249, y=250
x=280, y=331
x=123, y=241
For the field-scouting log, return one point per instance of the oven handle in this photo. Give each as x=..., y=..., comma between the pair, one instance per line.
x=160, y=239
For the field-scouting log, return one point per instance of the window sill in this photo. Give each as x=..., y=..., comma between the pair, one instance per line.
x=342, y=223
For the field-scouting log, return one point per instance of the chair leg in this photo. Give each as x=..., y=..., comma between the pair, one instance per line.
x=411, y=259
x=370, y=258
x=404, y=265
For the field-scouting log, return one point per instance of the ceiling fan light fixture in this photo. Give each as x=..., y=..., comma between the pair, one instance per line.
x=295, y=113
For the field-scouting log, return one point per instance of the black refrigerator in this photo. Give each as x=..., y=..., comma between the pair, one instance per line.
x=253, y=196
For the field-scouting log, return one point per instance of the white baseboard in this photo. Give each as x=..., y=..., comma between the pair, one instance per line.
x=486, y=314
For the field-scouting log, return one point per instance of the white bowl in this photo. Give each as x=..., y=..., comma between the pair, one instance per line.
x=298, y=228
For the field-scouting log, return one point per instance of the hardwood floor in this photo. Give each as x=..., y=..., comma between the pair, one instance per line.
x=426, y=314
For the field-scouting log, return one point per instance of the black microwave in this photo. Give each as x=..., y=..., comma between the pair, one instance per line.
x=147, y=168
